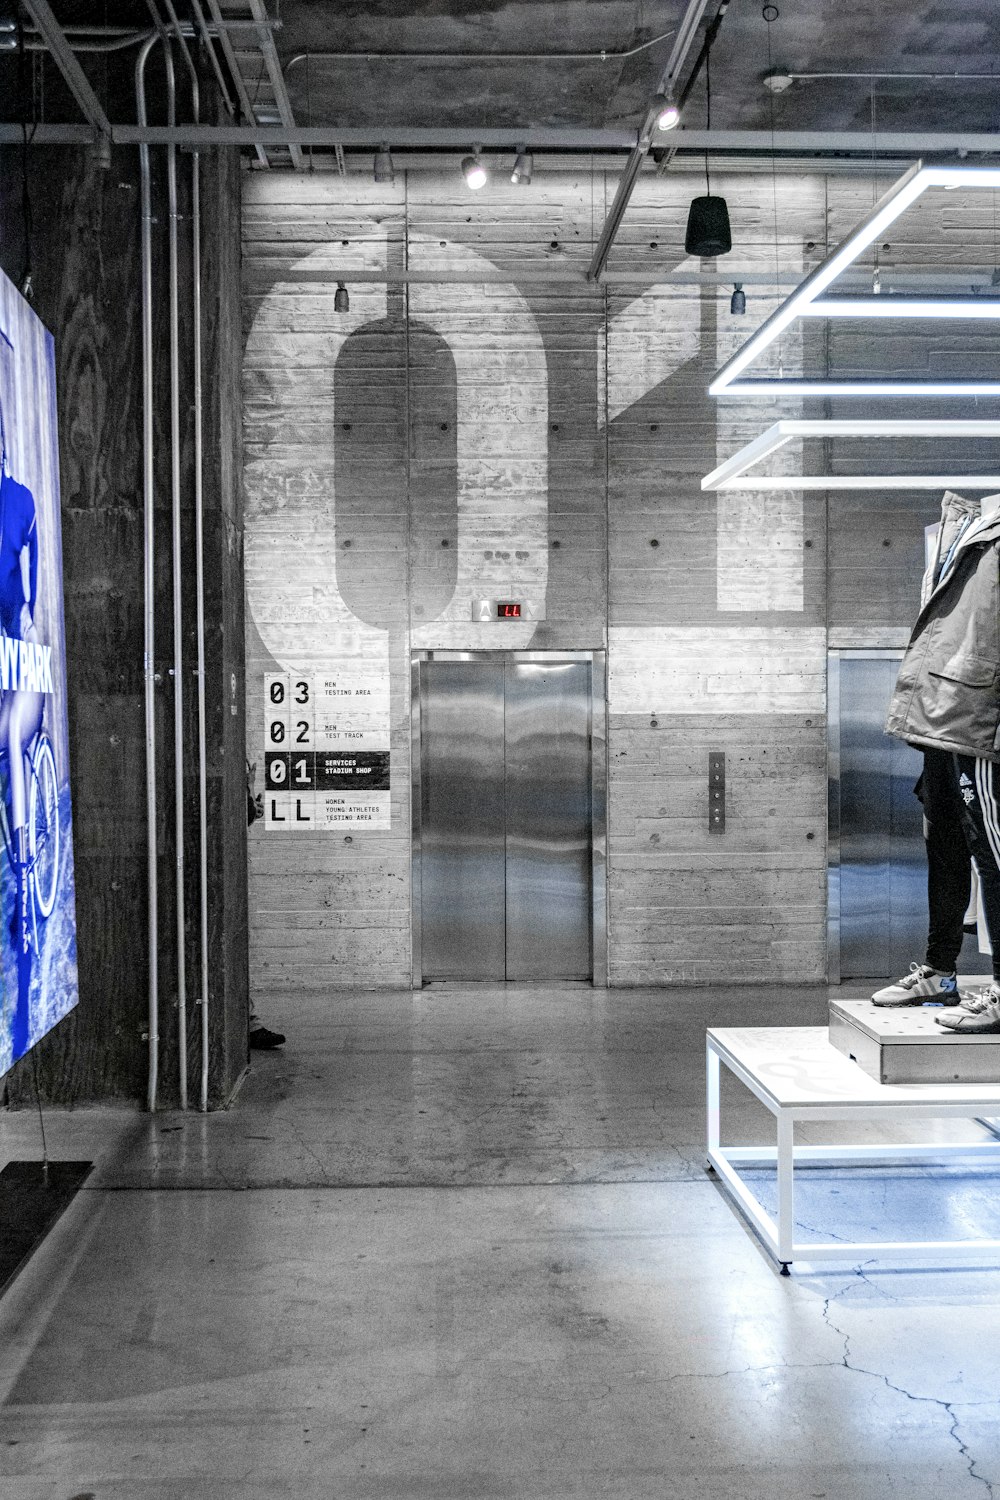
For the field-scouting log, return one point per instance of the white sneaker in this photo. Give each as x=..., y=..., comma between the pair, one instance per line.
x=922, y=983
x=977, y=1013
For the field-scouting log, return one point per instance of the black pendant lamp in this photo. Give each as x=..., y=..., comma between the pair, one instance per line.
x=708, y=232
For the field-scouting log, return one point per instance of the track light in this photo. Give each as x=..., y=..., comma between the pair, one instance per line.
x=523, y=167
x=476, y=175
x=670, y=116
x=738, y=301
x=341, y=301
x=384, y=171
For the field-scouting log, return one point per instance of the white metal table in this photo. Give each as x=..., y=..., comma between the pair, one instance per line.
x=798, y=1076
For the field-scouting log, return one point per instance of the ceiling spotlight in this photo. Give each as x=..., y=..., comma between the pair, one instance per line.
x=778, y=81
x=474, y=172
x=523, y=167
x=383, y=164
x=738, y=301
x=670, y=116
x=341, y=301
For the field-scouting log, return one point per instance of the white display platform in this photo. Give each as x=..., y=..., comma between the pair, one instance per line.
x=799, y=1076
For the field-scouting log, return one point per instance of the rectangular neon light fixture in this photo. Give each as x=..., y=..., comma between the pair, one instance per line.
x=902, y=307
x=734, y=473
x=804, y=302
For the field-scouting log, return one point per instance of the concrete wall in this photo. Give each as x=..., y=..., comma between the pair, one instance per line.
x=451, y=438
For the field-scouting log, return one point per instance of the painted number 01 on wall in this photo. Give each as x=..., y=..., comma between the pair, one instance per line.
x=326, y=752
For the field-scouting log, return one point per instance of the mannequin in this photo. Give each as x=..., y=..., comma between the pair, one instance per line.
x=947, y=703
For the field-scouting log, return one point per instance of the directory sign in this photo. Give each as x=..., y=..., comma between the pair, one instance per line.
x=38, y=973
x=326, y=751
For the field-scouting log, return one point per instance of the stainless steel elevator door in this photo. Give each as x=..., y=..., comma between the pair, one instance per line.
x=547, y=738
x=505, y=819
x=462, y=821
x=882, y=872
x=883, y=923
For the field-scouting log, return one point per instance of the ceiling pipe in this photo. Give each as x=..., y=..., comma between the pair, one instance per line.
x=666, y=86
x=778, y=80
x=121, y=43
x=604, y=55
x=187, y=28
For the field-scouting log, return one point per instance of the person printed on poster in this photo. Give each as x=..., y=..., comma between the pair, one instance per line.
x=23, y=700
x=38, y=965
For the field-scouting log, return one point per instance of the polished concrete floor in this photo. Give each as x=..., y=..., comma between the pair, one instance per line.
x=462, y=1244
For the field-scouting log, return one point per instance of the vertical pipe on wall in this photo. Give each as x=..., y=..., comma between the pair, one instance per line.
x=199, y=551
x=199, y=547
x=199, y=544
x=177, y=578
x=149, y=556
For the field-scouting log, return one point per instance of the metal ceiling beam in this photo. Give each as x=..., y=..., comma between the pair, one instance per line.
x=682, y=46
x=902, y=145
x=267, y=270
x=66, y=61
x=757, y=142
x=331, y=136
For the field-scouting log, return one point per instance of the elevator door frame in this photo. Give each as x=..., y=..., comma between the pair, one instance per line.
x=598, y=792
x=833, y=863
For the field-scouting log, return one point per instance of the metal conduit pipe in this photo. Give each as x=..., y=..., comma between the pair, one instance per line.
x=148, y=581
x=77, y=44
x=173, y=280
x=199, y=549
x=606, y=54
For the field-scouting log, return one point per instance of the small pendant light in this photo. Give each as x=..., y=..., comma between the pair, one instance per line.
x=708, y=232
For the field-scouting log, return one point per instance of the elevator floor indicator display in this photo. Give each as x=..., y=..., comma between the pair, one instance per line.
x=326, y=751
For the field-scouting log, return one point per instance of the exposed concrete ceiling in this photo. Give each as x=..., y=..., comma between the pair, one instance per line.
x=889, y=36
x=462, y=91
x=487, y=87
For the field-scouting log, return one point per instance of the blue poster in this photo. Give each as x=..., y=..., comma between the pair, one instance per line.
x=38, y=978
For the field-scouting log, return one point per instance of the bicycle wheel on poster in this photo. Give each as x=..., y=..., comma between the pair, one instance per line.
x=43, y=826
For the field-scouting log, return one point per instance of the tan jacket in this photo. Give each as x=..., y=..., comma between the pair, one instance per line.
x=947, y=693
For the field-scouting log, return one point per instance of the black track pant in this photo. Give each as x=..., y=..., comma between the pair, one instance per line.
x=962, y=817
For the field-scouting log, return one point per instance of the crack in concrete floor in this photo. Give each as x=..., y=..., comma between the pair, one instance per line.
x=947, y=1406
